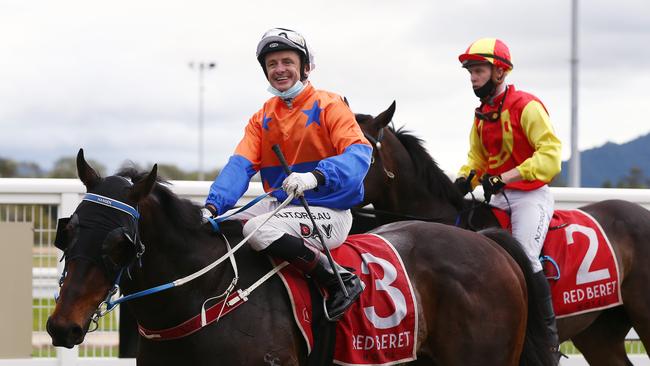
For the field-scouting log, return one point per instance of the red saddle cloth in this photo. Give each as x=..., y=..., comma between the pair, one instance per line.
x=380, y=328
x=589, y=277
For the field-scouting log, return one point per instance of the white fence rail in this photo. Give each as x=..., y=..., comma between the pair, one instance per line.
x=42, y=201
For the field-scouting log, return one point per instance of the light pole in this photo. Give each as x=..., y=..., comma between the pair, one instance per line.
x=574, y=162
x=201, y=67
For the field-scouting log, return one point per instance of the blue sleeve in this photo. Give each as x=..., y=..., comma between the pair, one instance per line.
x=231, y=183
x=347, y=169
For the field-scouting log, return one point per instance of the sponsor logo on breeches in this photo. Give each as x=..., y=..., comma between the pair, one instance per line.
x=303, y=215
x=308, y=231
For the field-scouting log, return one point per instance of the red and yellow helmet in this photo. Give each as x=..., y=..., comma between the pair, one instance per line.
x=490, y=50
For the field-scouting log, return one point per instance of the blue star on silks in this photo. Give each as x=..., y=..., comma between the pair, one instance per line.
x=313, y=114
x=265, y=122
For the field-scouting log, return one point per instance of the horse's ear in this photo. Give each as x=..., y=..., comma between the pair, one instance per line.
x=345, y=99
x=144, y=187
x=384, y=118
x=88, y=175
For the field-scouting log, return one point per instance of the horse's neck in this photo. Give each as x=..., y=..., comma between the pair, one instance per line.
x=477, y=216
x=171, y=255
x=408, y=198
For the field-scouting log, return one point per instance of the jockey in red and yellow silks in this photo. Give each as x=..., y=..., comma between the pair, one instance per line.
x=329, y=158
x=522, y=138
x=515, y=153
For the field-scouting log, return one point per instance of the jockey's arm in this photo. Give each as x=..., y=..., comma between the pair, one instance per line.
x=234, y=178
x=545, y=163
x=476, y=158
x=351, y=164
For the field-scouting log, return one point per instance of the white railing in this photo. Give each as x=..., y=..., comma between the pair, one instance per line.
x=59, y=197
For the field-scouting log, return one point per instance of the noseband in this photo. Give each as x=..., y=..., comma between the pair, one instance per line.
x=377, y=143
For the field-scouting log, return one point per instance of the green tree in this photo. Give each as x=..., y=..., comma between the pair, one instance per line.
x=66, y=167
x=7, y=168
x=26, y=169
x=634, y=179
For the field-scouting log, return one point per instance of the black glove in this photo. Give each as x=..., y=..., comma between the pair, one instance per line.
x=463, y=185
x=492, y=184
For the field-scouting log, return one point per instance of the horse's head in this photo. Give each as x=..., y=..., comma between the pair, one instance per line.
x=99, y=240
x=403, y=177
x=388, y=153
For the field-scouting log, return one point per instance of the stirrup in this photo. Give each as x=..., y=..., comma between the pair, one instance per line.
x=338, y=317
x=327, y=314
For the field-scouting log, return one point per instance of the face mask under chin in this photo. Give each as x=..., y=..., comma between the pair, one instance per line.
x=289, y=93
x=486, y=90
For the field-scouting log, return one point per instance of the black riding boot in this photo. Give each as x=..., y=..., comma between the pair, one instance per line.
x=314, y=263
x=546, y=302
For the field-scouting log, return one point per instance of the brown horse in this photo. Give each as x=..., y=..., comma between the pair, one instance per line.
x=417, y=187
x=465, y=317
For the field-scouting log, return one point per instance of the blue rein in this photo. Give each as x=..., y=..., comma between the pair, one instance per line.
x=121, y=206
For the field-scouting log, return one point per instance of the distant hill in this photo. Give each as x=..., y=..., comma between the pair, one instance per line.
x=612, y=162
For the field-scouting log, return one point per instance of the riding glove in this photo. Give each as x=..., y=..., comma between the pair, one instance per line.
x=463, y=185
x=297, y=183
x=492, y=184
x=206, y=214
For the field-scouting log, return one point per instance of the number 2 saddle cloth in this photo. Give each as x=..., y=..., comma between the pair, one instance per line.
x=381, y=327
x=579, y=262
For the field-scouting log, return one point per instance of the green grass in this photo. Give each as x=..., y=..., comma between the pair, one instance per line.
x=631, y=347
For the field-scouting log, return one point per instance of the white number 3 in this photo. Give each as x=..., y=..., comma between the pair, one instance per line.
x=384, y=284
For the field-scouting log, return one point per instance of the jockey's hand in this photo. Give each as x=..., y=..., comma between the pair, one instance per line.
x=463, y=185
x=206, y=213
x=492, y=184
x=297, y=183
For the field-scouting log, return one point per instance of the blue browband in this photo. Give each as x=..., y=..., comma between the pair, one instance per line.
x=112, y=203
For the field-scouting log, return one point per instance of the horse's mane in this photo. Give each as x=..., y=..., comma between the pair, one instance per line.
x=185, y=213
x=427, y=169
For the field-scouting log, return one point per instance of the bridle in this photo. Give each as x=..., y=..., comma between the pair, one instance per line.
x=377, y=144
x=231, y=300
x=130, y=233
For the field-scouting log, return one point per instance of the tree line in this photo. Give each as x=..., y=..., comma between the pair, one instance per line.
x=66, y=167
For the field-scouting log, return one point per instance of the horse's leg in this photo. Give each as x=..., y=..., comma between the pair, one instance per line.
x=628, y=227
x=603, y=343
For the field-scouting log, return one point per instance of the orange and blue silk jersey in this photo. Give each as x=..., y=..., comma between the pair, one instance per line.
x=522, y=137
x=319, y=132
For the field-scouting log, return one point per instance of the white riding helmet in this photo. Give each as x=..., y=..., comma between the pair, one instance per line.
x=278, y=39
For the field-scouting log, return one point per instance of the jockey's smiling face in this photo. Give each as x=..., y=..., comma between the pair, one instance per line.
x=283, y=69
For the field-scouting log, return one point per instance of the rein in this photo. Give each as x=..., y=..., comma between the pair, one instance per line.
x=108, y=304
x=377, y=143
x=362, y=210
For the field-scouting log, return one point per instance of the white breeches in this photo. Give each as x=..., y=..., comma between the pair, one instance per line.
x=334, y=225
x=531, y=213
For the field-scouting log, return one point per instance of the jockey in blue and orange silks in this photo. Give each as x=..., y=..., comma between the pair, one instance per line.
x=328, y=155
x=515, y=153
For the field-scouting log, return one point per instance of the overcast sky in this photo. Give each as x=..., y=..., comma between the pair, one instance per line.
x=113, y=76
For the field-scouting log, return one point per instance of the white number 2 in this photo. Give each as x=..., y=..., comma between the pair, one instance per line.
x=384, y=284
x=584, y=275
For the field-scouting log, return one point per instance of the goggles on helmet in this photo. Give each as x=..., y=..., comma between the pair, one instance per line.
x=283, y=36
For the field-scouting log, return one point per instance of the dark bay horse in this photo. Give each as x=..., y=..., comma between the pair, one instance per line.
x=465, y=317
x=417, y=187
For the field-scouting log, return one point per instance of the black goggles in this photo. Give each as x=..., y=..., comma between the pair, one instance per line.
x=492, y=116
